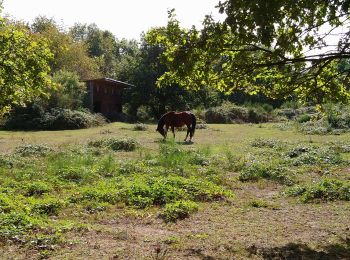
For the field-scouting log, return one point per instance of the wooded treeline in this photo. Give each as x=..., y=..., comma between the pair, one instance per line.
x=246, y=58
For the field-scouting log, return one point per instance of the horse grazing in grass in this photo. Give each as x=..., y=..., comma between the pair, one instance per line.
x=177, y=119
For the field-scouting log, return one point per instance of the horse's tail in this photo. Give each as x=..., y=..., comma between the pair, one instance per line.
x=194, y=121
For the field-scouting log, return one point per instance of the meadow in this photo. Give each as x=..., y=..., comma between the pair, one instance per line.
x=240, y=191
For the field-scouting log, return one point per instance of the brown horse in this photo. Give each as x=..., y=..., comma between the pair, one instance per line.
x=174, y=119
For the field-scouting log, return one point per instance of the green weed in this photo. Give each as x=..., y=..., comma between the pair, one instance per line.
x=325, y=190
x=37, y=189
x=115, y=144
x=33, y=150
x=178, y=210
x=270, y=171
x=47, y=206
x=140, y=127
x=311, y=155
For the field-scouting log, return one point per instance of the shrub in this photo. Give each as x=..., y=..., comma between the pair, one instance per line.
x=75, y=174
x=6, y=204
x=231, y=113
x=303, y=118
x=101, y=192
x=226, y=113
x=116, y=144
x=14, y=224
x=36, y=189
x=325, y=190
x=145, y=191
x=310, y=155
x=70, y=90
x=337, y=115
x=93, y=207
x=258, y=171
x=318, y=127
x=7, y=160
x=264, y=142
x=256, y=115
x=32, y=150
x=259, y=203
x=144, y=113
x=125, y=144
x=178, y=210
x=54, y=119
x=48, y=206
x=303, y=113
x=140, y=127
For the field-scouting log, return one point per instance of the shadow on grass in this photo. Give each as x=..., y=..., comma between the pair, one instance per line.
x=294, y=251
x=171, y=141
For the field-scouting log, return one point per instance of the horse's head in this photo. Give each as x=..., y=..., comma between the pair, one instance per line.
x=161, y=131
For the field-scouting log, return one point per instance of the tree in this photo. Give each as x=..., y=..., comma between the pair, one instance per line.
x=148, y=68
x=101, y=46
x=70, y=92
x=276, y=47
x=69, y=55
x=24, y=65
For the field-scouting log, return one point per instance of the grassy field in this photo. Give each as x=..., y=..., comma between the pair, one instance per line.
x=237, y=192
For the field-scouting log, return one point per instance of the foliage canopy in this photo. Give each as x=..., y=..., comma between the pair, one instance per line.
x=279, y=48
x=24, y=65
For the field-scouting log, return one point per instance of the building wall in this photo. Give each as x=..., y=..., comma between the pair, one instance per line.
x=105, y=97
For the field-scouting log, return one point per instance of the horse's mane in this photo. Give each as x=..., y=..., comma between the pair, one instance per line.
x=161, y=121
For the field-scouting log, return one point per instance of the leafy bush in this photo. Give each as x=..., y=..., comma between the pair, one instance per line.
x=178, y=210
x=264, y=142
x=310, y=155
x=140, y=127
x=337, y=115
x=47, y=206
x=75, y=174
x=259, y=203
x=116, y=144
x=33, y=150
x=93, y=207
x=144, y=113
x=315, y=127
x=335, y=119
x=230, y=113
x=256, y=171
x=37, y=189
x=325, y=190
x=14, y=224
x=7, y=160
x=54, y=119
x=6, y=204
x=303, y=118
x=142, y=191
x=69, y=92
x=296, y=112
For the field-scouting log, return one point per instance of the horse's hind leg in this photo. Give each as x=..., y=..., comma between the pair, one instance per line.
x=173, y=130
x=188, y=131
x=191, y=134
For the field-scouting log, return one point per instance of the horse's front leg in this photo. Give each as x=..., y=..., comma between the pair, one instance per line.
x=173, y=130
x=166, y=131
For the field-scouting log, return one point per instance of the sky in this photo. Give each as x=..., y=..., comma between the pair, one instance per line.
x=124, y=18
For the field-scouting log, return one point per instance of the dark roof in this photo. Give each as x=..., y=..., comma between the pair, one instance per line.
x=117, y=82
